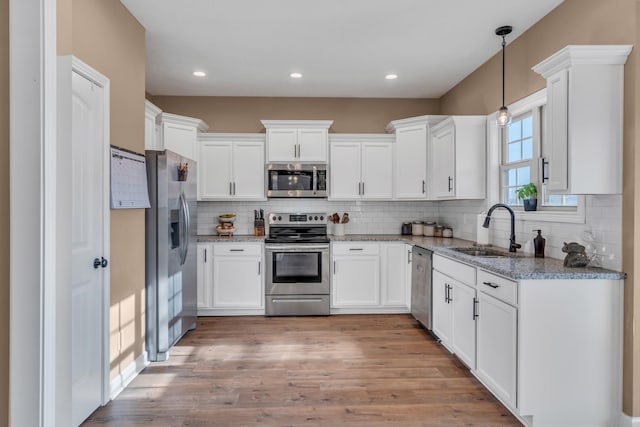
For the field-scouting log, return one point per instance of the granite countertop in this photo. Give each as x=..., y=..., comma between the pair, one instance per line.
x=518, y=267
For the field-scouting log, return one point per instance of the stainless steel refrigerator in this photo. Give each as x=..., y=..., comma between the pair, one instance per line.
x=171, y=282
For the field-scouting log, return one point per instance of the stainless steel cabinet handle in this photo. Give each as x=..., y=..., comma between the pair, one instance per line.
x=205, y=255
x=423, y=186
x=236, y=250
x=545, y=163
x=475, y=308
x=334, y=267
x=450, y=184
x=408, y=256
x=356, y=249
x=234, y=188
x=259, y=268
x=231, y=188
x=363, y=188
x=299, y=151
x=491, y=285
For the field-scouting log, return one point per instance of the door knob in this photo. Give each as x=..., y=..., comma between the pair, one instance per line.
x=100, y=262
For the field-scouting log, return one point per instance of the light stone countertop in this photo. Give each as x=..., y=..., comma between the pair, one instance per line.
x=518, y=267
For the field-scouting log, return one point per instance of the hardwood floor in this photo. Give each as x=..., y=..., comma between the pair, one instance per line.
x=366, y=370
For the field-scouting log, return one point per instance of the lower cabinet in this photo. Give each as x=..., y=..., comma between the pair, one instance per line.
x=230, y=282
x=370, y=277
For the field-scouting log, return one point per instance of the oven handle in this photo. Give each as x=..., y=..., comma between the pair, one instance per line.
x=295, y=248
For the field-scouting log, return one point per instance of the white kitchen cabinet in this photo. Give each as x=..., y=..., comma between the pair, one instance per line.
x=497, y=347
x=582, y=143
x=396, y=275
x=356, y=275
x=231, y=167
x=180, y=134
x=442, y=308
x=457, y=158
x=410, y=164
x=151, y=127
x=237, y=285
x=296, y=141
x=361, y=167
x=204, y=274
x=463, y=323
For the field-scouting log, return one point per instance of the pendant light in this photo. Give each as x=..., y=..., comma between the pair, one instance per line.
x=504, y=115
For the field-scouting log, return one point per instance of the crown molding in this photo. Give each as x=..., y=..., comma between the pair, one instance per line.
x=326, y=124
x=583, y=55
x=420, y=120
x=182, y=120
x=232, y=137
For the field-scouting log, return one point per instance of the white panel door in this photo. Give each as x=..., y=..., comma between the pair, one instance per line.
x=411, y=163
x=87, y=221
x=345, y=170
x=237, y=282
x=396, y=289
x=282, y=145
x=180, y=139
x=356, y=281
x=214, y=170
x=205, y=271
x=443, y=163
x=312, y=145
x=248, y=170
x=377, y=171
x=441, y=307
x=464, y=323
x=556, y=142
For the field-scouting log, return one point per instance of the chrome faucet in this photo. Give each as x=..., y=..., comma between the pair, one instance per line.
x=512, y=239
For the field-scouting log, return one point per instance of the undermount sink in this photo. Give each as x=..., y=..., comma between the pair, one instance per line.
x=482, y=252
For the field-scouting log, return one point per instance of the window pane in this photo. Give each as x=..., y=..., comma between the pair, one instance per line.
x=515, y=131
x=524, y=176
x=515, y=153
x=511, y=196
x=511, y=177
x=527, y=148
x=527, y=127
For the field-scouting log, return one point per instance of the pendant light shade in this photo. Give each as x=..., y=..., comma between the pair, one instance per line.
x=504, y=115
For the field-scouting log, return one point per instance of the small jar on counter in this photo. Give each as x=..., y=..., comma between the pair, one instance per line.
x=429, y=229
x=447, y=232
x=439, y=229
x=416, y=228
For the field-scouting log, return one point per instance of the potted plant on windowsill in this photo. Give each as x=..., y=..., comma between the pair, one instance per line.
x=529, y=196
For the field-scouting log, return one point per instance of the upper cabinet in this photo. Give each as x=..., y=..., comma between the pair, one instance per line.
x=231, y=167
x=410, y=166
x=582, y=144
x=164, y=131
x=151, y=127
x=361, y=166
x=457, y=154
x=297, y=140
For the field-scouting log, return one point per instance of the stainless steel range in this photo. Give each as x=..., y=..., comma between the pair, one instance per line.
x=297, y=265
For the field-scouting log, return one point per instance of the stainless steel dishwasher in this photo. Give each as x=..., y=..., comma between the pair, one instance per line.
x=421, y=300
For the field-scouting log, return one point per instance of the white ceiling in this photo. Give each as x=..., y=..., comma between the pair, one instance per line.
x=343, y=48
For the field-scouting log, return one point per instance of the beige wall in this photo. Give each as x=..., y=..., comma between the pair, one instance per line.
x=577, y=22
x=4, y=212
x=243, y=114
x=108, y=38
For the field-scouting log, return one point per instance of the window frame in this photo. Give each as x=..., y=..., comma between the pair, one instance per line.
x=494, y=166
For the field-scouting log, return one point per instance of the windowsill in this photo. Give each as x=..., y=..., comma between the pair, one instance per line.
x=573, y=217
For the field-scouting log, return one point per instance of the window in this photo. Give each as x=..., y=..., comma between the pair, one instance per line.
x=521, y=151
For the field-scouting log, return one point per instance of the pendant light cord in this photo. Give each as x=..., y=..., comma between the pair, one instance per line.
x=503, y=50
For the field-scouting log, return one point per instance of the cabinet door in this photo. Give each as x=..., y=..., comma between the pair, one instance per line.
x=556, y=143
x=464, y=323
x=214, y=170
x=345, y=170
x=312, y=145
x=443, y=163
x=497, y=344
x=237, y=282
x=282, y=145
x=356, y=281
x=441, y=307
x=411, y=162
x=248, y=170
x=180, y=139
x=205, y=271
x=377, y=171
x=395, y=287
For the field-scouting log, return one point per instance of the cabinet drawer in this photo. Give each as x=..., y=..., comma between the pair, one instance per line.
x=457, y=270
x=237, y=249
x=356, y=248
x=499, y=287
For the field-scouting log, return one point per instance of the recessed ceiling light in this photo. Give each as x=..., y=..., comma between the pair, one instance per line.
x=391, y=76
x=295, y=75
x=199, y=73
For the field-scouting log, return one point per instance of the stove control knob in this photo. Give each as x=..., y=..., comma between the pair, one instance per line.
x=316, y=218
x=321, y=218
x=310, y=217
x=273, y=218
x=279, y=218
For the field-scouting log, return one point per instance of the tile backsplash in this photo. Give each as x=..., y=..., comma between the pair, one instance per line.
x=601, y=233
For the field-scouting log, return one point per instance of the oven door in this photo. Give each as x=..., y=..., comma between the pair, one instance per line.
x=297, y=269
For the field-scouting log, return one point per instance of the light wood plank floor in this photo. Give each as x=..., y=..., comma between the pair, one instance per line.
x=367, y=370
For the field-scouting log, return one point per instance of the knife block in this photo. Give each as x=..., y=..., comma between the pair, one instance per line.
x=258, y=227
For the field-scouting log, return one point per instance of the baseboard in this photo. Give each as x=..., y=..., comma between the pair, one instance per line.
x=627, y=421
x=127, y=375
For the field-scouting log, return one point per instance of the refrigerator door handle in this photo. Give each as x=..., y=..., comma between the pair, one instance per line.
x=184, y=229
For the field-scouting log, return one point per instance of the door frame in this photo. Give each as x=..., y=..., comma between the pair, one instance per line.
x=83, y=69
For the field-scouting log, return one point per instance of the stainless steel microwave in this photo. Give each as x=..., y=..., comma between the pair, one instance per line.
x=296, y=180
